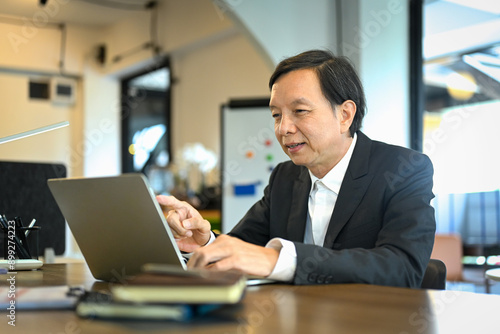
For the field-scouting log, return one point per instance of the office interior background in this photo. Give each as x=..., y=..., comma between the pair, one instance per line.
x=148, y=78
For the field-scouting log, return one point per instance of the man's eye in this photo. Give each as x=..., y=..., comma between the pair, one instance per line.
x=276, y=115
x=300, y=110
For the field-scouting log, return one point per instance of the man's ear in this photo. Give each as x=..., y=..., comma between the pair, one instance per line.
x=347, y=110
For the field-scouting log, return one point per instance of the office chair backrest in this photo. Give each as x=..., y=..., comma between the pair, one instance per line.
x=449, y=249
x=435, y=275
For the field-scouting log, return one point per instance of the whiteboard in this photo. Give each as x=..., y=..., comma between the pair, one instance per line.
x=249, y=153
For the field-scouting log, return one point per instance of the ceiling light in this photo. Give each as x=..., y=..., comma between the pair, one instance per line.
x=461, y=85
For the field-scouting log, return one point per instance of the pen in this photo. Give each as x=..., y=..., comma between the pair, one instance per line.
x=25, y=250
x=29, y=227
x=4, y=223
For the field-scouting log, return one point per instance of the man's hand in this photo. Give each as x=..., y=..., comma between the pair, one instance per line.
x=232, y=253
x=189, y=228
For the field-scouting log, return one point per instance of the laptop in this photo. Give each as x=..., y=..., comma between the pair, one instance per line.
x=117, y=223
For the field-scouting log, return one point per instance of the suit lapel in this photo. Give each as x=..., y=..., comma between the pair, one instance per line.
x=298, y=211
x=352, y=190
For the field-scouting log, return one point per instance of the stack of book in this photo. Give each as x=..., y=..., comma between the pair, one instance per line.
x=162, y=292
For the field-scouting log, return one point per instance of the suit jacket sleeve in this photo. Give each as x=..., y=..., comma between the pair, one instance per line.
x=382, y=228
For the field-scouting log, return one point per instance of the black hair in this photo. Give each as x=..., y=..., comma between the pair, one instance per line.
x=338, y=79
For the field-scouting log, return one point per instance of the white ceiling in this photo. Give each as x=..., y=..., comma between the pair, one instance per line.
x=85, y=12
x=450, y=26
x=454, y=26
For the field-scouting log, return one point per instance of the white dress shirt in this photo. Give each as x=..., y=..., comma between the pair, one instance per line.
x=322, y=199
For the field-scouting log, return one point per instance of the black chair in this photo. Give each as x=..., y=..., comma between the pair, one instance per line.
x=435, y=275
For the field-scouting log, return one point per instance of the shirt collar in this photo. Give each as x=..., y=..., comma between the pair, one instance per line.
x=333, y=179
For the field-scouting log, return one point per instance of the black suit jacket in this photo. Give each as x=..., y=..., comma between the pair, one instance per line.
x=381, y=230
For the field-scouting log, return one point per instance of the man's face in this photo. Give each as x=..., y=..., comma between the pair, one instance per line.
x=310, y=132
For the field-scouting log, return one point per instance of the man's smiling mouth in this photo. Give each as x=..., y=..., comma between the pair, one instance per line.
x=294, y=145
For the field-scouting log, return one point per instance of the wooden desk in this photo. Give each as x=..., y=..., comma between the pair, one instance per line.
x=349, y=308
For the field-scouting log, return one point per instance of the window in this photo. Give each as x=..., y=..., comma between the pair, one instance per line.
x=461, y=117
x=146, y=122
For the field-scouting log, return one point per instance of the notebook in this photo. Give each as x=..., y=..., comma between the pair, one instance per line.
x=117, y=224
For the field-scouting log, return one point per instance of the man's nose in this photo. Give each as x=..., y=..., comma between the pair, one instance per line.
x=286, y=125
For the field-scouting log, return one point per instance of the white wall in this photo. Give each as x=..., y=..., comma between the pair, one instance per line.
x=283, y=28
x=372, y=33
x=33, y=52
x=375, y=37
x=100, y=142
x=19, y=114
x=208, y=77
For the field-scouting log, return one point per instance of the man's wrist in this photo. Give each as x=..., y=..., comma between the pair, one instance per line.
x=211, y=239
x=284, y=270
